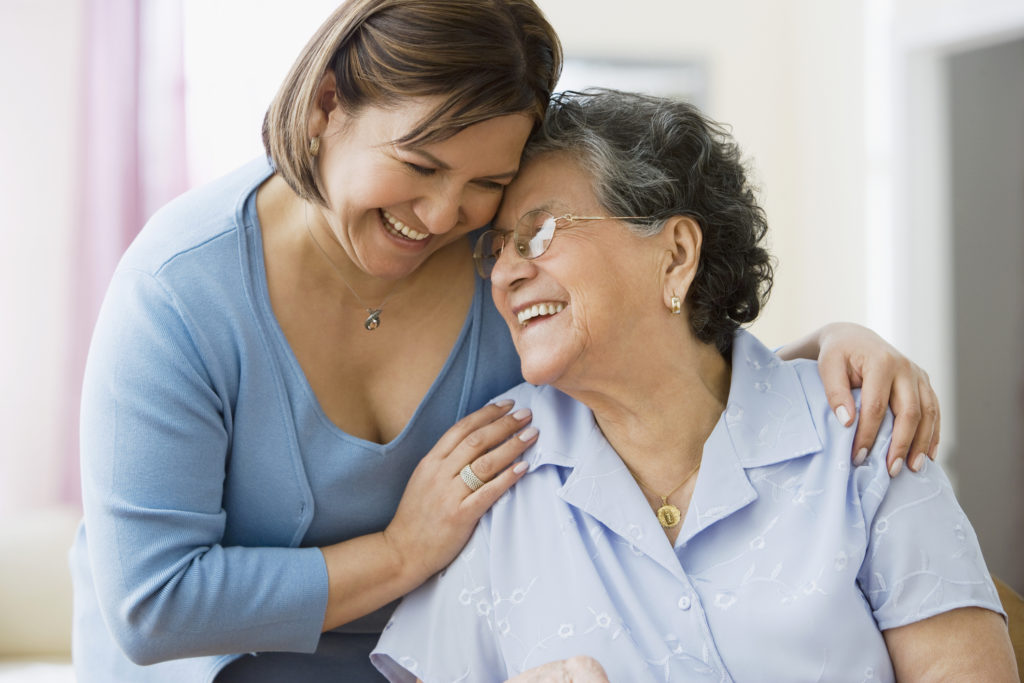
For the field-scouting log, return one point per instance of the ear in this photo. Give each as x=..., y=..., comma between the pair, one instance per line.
x=683, y=239
x=325, y=101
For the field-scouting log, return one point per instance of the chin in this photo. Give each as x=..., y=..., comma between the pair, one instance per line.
x=540, y=373
x=545, y=360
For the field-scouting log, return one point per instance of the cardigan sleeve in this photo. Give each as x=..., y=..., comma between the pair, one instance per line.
x=155, y=444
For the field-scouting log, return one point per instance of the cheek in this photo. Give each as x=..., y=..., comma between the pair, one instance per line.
x=603, y=306
x=349, y=192
x=500, y=303
x=480, y=208
x=586, y=315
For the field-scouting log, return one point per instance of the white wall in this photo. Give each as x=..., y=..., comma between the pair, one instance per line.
x=39, y=53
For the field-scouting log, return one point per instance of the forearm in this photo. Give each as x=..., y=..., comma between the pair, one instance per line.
x=363, y=575
x=209, y=602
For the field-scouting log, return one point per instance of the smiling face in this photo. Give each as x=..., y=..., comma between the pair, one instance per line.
x=390, y=207
x=578, y=312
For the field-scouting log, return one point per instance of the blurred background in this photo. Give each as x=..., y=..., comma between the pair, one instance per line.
x=887, y=137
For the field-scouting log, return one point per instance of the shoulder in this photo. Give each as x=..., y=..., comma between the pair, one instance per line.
x=814, y=391
x=193, y=254
x=828, y=426
x=186, y=282
x=194, y=219
x=561, y=420
x=567, y=436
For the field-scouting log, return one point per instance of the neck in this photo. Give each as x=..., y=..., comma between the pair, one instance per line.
x=659, y=412
x=303, y=267
x=375, y=292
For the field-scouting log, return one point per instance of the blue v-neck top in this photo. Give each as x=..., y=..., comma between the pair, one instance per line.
x=209, y=471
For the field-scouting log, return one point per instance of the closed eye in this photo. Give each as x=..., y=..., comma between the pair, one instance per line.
x=420, y=170
x=491, y=185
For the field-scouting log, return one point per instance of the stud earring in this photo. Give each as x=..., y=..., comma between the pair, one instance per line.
x=677, y=305
x=314, y=145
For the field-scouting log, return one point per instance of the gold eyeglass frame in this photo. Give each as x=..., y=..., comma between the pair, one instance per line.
x=526, y=249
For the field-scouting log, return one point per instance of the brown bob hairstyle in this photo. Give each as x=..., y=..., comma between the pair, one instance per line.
x=482, y=58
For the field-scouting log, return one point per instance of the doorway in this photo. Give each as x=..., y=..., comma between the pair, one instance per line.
x=985, y=100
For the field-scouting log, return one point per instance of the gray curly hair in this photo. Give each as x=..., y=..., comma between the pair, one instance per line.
x=651, y=156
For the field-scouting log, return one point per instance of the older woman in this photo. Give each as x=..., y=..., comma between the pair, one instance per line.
x=692, y=512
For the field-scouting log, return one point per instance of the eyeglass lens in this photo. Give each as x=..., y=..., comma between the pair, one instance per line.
x=534, y=233
x=532, y=237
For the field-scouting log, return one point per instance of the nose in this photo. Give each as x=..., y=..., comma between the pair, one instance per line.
x=510, y=269
x=440, y=212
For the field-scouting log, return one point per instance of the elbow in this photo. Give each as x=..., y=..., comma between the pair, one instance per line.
x=139, y=652
x=140, y=631
x=142, y=646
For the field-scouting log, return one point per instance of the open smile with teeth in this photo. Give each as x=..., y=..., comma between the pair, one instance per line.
x=538, y=310
x=397, y=227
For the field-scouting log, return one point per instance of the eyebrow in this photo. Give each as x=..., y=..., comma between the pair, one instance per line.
x=552, y=206
x=507, y=175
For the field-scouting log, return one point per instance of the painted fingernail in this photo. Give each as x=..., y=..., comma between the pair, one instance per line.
x=916, y=462
x=527, y=433
x=520, y=468
x=895, y=467
x=504, y=403
x=522, y=413
x=861, y=456
x=843, y=415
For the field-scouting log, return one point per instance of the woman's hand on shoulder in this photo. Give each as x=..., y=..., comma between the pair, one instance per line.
x=580, y=669
x=438, y=510
x=851, y=356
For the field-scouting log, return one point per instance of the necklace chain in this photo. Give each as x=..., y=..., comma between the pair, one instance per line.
x=668, y=514
x=372, y=321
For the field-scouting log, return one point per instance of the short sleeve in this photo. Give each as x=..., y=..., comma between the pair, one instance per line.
x=445, y=630
x=923, y=557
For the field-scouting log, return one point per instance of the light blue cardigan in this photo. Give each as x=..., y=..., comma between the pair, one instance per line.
x=195, y=416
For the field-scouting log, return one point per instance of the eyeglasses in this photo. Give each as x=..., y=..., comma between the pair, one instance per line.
x=532, y=236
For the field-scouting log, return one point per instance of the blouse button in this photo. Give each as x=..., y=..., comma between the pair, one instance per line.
x=684, y=602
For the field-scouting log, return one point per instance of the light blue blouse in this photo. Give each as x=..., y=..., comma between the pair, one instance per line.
x=788, y=566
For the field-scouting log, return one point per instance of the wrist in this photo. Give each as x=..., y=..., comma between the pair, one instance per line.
x=808, y=347
x=405, y=569
x=364, y=574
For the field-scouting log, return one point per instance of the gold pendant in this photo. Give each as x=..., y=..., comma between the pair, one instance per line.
x=669, y=515
x=373, y=321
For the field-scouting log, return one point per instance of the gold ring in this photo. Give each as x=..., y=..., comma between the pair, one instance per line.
x=469, y=476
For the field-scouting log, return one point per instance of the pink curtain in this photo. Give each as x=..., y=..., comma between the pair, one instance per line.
x=133, y=158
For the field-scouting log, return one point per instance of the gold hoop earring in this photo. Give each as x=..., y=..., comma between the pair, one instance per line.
x=314, y=145
x=677, y=305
